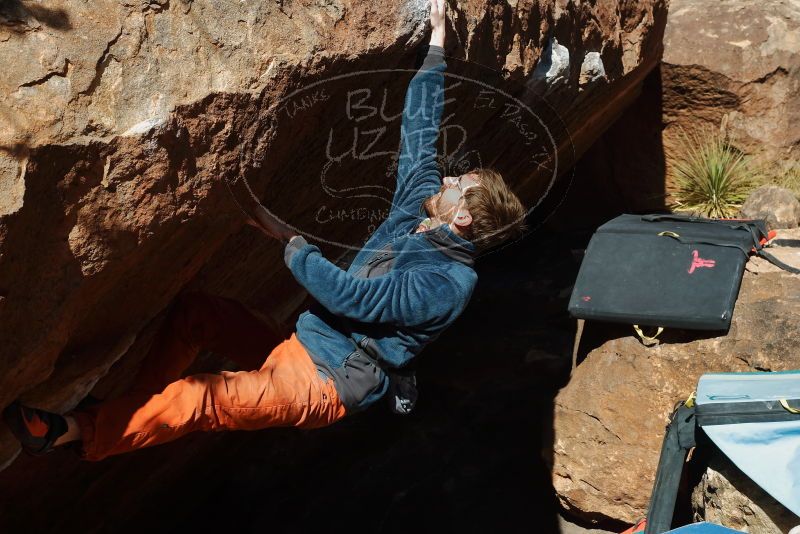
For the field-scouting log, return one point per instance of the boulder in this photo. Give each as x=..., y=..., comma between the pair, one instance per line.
x=777, y=205
x=727, y=497
x=121, y=120
x=736, y=62
x=610, y=418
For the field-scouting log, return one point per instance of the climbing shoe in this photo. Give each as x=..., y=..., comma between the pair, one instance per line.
x=35, y=429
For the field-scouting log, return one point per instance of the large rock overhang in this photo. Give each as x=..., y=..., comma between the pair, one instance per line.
x=120, y=121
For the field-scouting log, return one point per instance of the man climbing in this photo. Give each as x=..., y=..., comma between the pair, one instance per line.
x=411, y=280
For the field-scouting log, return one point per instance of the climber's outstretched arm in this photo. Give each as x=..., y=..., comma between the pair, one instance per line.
x=437, y=23
x=418, y=175
x=265, y=221
x=257, y=214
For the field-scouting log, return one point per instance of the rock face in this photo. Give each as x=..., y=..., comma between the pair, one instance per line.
x=610, y=418
x=120, y=121
x=777, y=205
x=738, y=60
x=727, y=497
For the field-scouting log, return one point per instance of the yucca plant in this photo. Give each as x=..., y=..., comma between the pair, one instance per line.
x=711, y=176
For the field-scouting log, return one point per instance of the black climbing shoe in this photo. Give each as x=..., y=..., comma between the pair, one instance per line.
x=35, y=429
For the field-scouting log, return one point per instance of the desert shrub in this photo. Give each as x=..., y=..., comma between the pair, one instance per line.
x=711, y=176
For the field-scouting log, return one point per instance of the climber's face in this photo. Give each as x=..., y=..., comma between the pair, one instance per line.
x=448, y=205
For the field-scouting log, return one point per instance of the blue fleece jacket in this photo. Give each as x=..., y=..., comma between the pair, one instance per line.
x=403, y=288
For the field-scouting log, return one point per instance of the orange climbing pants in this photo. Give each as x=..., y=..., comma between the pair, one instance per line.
x=284, y=387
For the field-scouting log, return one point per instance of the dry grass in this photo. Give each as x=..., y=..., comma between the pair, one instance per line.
x=790, y=179
x=782, y=174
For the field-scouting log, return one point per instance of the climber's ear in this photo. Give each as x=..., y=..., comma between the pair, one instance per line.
x=463, y=218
